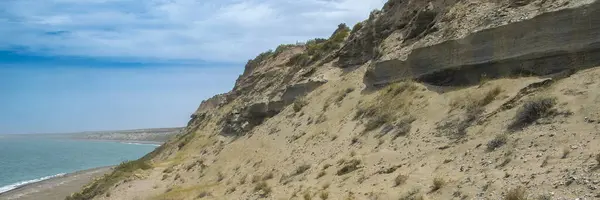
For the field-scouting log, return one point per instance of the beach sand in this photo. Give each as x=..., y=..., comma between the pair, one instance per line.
x=56, y=188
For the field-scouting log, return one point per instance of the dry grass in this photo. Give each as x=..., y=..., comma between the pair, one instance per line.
x=412, y=195
x=243, y=179
x=324, y=195
x=531, y=111
x=263, y=187
x=438, y=183
x=348, y=167
x=268, y=176
x=518, y=193
x=565, y=152
x=301, y=169
x=391, y=104
x=400, y=180
x=255, y=178
x=321, y=174
x=101, y=186
x=307, y=195
x=475, y=99
x=299, y=104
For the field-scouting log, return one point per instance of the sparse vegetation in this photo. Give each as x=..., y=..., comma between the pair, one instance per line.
x=342, y=95
x=255, y=178
x=321, y=174
x=348, y=167
x=518, y=193
x=318, y=48
x=531, y=111
x=243, y=179
x=565, y=152
x=544, y=197
x=497, y=142
x=504, y=163
x=220, y=176
x=301, y=59
x=597, y=157
x=100, y=186
x=438, y=183
x=307, y=195
x=400, y=179
x=268, y=176
x=324, y=195
x=299, y=104
x=263, y=187
x=390, y=105
x=203, y=194
x=412, y=195
x=301, y=169
x=357, y=27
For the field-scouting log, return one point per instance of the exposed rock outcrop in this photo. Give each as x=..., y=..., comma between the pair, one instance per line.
x=549, y=43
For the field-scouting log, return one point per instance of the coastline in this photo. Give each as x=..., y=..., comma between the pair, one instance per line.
x=57, y=187
x=132, y=142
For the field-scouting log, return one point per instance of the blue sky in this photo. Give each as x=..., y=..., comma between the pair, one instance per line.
x=78, y=65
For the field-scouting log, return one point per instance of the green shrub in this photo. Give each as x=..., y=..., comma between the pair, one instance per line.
x=357, y=27
x=302, y=59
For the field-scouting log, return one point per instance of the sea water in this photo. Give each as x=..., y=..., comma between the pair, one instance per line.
x=25, y=160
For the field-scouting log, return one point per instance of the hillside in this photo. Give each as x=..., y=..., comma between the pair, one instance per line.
x=438, y=99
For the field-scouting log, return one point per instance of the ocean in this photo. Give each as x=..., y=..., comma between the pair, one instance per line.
x=25, y=160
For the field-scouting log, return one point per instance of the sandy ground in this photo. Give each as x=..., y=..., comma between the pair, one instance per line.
x=56, y=188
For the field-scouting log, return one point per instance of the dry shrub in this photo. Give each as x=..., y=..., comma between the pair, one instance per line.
x=324, y=195
x=349, y=166
x=400, y=179
x=301, y=169
x=321, y=174
x=438, y=183
x=531, y=111
x=262, y=187
x=497, y=142
x=518, y=193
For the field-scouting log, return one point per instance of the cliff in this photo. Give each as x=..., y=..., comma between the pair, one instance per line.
x=435, y=99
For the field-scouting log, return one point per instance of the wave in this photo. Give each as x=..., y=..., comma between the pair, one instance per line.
x=23, y=183
x=146, y=144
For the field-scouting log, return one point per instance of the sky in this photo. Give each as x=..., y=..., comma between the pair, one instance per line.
x=84, y=65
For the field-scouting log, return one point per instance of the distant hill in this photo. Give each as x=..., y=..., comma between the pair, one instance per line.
x=140, y=135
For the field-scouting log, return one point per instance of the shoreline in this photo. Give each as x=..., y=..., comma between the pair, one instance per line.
x=132, y=142
x=58, y=187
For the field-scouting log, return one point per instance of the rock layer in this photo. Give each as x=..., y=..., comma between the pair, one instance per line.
x=549, y=43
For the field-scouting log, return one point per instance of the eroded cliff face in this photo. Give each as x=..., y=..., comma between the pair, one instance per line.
x=304, y=121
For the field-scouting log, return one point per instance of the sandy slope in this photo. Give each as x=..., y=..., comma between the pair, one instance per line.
x=406, y=141
x=284, y=143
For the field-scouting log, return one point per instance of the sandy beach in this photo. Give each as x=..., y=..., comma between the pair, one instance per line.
x=55, y=188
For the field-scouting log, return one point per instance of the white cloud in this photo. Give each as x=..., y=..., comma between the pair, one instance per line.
x=213, y=30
